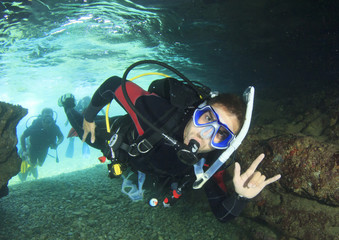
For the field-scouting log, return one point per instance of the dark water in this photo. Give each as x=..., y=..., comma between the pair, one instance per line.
x=51, y=47
x=224, y=43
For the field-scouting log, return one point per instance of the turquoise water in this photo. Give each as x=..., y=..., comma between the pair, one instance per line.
x=50, y=48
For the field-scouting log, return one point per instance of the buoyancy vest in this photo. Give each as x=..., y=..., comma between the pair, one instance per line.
x=126, y=143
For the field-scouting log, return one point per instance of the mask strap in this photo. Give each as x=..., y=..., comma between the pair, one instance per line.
x=203, y=104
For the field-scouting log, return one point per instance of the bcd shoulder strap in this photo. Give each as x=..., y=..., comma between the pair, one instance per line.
x=180, y=95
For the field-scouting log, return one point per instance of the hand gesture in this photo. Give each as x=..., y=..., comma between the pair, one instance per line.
x=250, y=183
x=88, y=127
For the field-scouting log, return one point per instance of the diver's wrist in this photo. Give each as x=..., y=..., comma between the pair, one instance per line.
x=241, y=197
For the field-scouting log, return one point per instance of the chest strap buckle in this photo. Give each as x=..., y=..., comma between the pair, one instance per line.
x=144, y=146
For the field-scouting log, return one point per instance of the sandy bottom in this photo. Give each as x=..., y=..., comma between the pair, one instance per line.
x=88, y=205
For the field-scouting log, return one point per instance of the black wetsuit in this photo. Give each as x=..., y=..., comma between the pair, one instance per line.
x=162, y=159
x=40, y=139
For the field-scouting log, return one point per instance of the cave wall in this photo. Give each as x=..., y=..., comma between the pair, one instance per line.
x=300, y=139
x=10, y=163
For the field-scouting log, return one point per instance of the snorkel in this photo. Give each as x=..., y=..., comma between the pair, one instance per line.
x=203, y=177
x=186, y=153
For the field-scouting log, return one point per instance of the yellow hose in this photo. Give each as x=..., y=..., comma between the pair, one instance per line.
x=107, y=119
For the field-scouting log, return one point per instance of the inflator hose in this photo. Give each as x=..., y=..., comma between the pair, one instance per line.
x=128, y=100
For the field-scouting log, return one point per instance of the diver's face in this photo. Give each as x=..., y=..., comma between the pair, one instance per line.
x=193, y=132
x=47, y=121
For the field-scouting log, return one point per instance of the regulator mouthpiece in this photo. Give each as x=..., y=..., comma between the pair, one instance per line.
x=187, y=153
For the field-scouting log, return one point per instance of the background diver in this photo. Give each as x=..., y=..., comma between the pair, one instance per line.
x=206, y=127
x=43, y=134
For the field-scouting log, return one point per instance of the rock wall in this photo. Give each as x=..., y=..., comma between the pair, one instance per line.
x=10, y=162
x=300, y=142
x=306, y=198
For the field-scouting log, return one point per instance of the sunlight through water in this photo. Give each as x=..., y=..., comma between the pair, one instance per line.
x=51, y=48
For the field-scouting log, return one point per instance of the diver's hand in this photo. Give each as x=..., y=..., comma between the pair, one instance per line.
x=88, y=127
x=250, y=183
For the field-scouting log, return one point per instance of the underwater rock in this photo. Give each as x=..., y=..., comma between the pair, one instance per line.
x=294, y=217
x=309, y=167
x=306, y=198
x=317, y=126
x=10, y=162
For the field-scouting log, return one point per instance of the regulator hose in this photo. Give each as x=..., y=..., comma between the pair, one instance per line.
x=128, y=100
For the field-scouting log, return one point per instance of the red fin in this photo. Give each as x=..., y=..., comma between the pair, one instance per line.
x=72, y=133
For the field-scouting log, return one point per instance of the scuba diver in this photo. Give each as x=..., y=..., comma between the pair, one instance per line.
x=178, y=133
x=80, y=107
x=43, y=134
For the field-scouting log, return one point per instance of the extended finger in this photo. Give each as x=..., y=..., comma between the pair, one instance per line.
x=254, y=165
x=84, y=136
x=272, y=180
x=237, y=170
x=92, y=136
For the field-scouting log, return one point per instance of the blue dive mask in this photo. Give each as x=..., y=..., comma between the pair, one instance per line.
x=206, y=118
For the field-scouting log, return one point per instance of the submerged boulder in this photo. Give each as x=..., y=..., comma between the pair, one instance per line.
x=310, y=168
x=306, y=198
x=299, y=134
x=10, y=162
